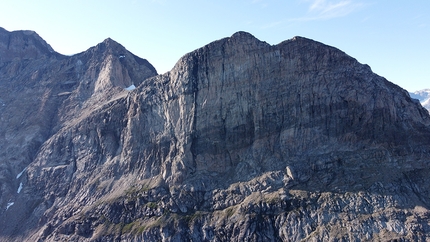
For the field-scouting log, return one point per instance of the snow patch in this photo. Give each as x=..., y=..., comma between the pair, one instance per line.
x=19, y=188
x=20, y=174
x=9, y=204
x=423, y=96
x=122, y=56
x=130, y=88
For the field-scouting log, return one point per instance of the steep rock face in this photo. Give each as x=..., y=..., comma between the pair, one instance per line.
x=240, y=141
x=41, y=92
x=22, y=45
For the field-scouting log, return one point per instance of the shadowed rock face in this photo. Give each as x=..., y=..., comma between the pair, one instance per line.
x=240, y=141
x=42, y=93
x=22, y=45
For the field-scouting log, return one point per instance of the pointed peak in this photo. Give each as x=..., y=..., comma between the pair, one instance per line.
x=109, y=48
x=109, y=40
x=109, y=45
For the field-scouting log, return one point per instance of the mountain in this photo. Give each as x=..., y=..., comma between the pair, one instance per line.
x=43, y=93
x=240, y=141
x=423, y=96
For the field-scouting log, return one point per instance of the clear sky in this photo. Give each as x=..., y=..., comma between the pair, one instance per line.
x=392, y=36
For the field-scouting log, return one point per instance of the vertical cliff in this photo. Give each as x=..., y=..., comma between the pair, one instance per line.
x=240, y=141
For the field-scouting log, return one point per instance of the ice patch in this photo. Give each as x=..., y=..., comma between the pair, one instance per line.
x=9, y=204
x=20, y=174
x=130, y=88
x=19, y=188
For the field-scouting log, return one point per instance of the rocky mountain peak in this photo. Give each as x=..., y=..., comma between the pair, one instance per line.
x=22, y=44
x=247, y=40
x=43, y=92
x=105, y=70
x=110, y=40
x=244, y=37
x=110, y=45
x=104, y=49
x=240, y=141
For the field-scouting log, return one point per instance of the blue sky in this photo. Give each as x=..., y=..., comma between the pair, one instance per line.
x=392, y=36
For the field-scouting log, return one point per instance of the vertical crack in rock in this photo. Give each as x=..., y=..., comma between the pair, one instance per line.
x=240, y=141
x=195, y=92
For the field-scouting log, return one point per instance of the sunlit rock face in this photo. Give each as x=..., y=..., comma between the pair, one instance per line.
x=240, y=141
x=43, y=92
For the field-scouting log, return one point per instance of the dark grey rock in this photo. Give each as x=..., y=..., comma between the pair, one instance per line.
x=240, y=141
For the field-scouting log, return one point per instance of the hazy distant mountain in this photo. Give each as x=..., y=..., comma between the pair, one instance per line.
x=240, y=141
x=423, y=96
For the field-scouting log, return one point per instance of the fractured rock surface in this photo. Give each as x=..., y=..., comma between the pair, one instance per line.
x=240, y=141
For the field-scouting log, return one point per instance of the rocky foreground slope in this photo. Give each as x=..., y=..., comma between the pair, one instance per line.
x=240, y=141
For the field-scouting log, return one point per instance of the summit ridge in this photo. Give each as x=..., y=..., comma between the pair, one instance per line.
x=240, y=141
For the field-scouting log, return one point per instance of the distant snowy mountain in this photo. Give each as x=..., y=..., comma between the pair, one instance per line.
x=423, y=96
